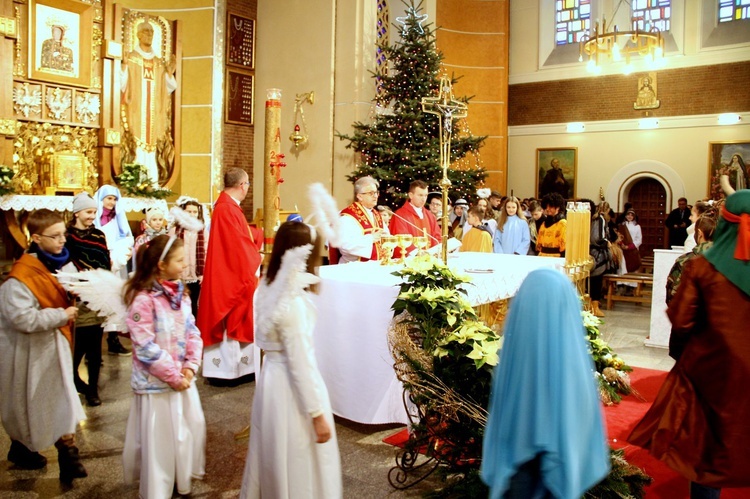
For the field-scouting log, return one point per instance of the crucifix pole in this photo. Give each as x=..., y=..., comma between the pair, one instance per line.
x=447, y=109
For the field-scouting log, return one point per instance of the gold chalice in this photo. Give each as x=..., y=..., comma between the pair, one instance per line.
x=387, y=245
x=404, y=241
x=421, y=242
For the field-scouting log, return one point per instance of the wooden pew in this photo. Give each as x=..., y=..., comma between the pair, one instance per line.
x=642, y=294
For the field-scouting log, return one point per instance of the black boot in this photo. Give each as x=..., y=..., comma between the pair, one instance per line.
x=69, y=460
x=114, y=347
x=92, y=394
x=21, y=456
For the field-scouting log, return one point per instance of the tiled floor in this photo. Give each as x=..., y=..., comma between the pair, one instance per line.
x=365, y=459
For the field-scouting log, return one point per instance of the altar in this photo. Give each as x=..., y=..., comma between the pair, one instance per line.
x=354, y=313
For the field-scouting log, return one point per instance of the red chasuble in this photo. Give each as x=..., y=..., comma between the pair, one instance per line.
x=229, y=279
x=357, y=212
x=406, y=221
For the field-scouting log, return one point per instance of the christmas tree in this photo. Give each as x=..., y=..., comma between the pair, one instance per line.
x=403, y=143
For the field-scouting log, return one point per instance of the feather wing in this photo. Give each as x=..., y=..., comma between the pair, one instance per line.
x=325, y=213
x=100, y=289
x=186, y=221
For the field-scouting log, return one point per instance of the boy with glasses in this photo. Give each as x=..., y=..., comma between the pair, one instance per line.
x=38, y=400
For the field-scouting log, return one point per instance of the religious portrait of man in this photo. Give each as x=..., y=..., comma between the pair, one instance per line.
x=646, y=98
x=556, y=172
x=57, y=36
x=147, y=83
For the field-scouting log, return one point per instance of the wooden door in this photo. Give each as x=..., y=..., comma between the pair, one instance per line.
x=650, y=203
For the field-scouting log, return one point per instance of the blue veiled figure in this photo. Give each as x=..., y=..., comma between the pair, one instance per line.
x=545, y=435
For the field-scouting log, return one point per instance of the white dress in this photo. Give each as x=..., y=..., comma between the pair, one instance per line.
x=284, y=460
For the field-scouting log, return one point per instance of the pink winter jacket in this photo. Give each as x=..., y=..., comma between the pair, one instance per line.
x=165, y=340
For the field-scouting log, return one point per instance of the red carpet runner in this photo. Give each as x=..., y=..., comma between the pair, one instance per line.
x=621, y=419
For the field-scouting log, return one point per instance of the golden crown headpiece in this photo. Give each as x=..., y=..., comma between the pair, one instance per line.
x=53, y=21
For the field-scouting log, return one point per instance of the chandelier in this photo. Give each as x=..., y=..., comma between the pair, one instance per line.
x=608, y=44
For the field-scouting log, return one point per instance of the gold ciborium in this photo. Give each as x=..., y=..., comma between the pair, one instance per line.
x=421, y=242
x=404, y=241
x=387, y=245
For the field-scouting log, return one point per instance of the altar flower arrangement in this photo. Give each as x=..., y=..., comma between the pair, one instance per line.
x=134, y=181
x=444, y=355
x=611, y=371
x=6, y=178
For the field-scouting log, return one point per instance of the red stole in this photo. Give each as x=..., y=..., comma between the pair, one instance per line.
x=357, y=211
x=45, y=287
x=229, y=280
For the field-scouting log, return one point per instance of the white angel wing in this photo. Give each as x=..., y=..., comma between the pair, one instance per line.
x=325, y=212
x=184, y=220
x=100, y=289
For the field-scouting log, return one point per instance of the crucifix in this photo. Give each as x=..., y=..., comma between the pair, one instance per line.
x=447, y=109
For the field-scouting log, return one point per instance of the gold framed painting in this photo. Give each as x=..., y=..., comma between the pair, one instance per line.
x=60, y=41
x=728, y=158
x=556, y=171
x=240, y=90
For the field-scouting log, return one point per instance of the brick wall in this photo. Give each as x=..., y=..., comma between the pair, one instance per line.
x=237, y=140
x=712, y=89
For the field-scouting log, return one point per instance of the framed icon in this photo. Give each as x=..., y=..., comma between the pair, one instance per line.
x=60, y=41
x=240, y=89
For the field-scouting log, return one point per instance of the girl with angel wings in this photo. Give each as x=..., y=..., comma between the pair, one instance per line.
x=293, y=450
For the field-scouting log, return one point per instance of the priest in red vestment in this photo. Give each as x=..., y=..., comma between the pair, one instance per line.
x=360, y=226
x=413, y=218
x=225, y=306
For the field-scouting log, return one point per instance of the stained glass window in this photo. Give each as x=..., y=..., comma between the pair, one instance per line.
x=648, y=14
x=572, y=20
x=381, y=63
x=733, y=10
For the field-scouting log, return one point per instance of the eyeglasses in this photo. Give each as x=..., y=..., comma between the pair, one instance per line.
x=56, y=237
x=244, y=183
x=370, y=193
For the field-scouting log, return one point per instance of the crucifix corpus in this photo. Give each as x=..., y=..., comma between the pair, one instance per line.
x=448, y=109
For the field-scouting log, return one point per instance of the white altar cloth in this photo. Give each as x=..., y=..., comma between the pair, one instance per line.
x=354, y=312
x=19, y=202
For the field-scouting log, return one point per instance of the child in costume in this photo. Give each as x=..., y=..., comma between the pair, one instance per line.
x=155, y=226
x=38, y=401
x=512, y=236
x=120, y=241
x=477, y=237
x=88, y=250
x=196, y=248
x=293, y=450
x=166, y=431
x=558, y=447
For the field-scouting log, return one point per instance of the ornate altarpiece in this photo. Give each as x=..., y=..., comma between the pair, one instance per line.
x=60, y=100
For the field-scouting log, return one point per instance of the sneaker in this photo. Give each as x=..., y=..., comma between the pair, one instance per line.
x=21, y=456
x=116, y=348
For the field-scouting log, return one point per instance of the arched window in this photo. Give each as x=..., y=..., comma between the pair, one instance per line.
x=572, y=20
x=383, y=38
x=731, y=10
